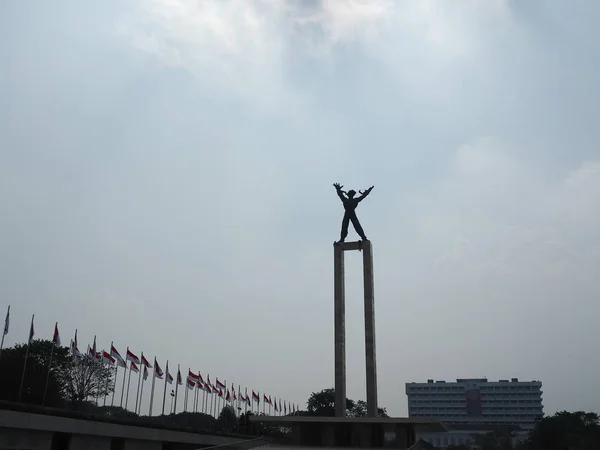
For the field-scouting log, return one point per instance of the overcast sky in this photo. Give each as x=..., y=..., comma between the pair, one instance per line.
x=166, y=171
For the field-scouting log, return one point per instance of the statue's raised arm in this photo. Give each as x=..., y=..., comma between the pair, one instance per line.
x=338, y=188
x=363, y=194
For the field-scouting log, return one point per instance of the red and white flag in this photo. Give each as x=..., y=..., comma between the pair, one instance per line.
x=220, y=393
x=130, y=356
x=200, y=378
x=107, y=359
x=146, y=363
x=74, y=350
x=220, y=385
x=179, y=380
x=134, y=367
x=266, y=399
x=56, y=337
x=190, y=384
x=115, y=354
x=207, y=388
x=145, y=373
x=192, y=376
x=7, y=321
x=31, y=332
x=158, y=373
x=228, y=396
x=255, y=397
x=169, y=378
x=276, y=405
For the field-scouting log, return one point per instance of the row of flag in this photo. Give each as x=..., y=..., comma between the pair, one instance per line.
x=196, y=384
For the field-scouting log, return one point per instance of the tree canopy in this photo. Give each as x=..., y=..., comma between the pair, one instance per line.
x=36, y=371
x=322, y=404
x=566, y=430
x=70, y=380
x=84, y=378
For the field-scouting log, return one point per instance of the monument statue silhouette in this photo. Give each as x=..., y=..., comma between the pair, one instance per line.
x=350, y=203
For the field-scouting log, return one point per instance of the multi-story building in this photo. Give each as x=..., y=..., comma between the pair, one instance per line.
x=476, y=403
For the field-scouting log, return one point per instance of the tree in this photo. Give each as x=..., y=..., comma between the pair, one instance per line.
x=227, y=418
x=244, y=422
x=86, y=378
x=36, y=372
x=360, y=410
x=573, y=430
x=323, y=404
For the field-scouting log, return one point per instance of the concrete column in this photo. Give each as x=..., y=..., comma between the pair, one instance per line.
x=371, y=362
x=340, y=331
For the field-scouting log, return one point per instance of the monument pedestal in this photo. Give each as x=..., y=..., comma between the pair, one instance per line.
x=340, y=326
x=348, y=432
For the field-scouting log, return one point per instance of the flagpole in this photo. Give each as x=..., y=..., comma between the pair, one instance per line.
x=112, y=401
x=123, y=388
x=6, y=325
x=25, y=361
x=198, y=404
x=95, y=360
x=177, y=387
x=48, y=375
x=165, y=391
x=49, y=366
x=107, y=374
x=195, y=400
x=137, y=395
x=128, y=383
x=238, y=408
x=185, y=396
x=142, y=393
x=224, y=401
x=152, y=389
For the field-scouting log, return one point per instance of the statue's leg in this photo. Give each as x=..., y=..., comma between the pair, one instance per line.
x=345, y=222
x=357, y=227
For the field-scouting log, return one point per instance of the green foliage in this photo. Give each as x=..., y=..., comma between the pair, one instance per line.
x=36, y=371
x=227, y=418
x=322, y=404
x=566, y=430
x=71, y=380
x=85, y=378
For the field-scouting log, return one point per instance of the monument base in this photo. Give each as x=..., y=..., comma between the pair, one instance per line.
x=361, y=432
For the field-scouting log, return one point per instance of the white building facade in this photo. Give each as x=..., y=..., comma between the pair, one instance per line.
x=475, y=402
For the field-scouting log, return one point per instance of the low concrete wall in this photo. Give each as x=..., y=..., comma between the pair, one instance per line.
x=32, y=440
x=131, y=444
x=82, y=442
x=19, y=430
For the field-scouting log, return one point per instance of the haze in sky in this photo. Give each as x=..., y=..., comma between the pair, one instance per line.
x=166, y=171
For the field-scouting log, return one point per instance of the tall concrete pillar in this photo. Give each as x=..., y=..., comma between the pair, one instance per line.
x=340, y=332
x=340, y=327
x=370, y=354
